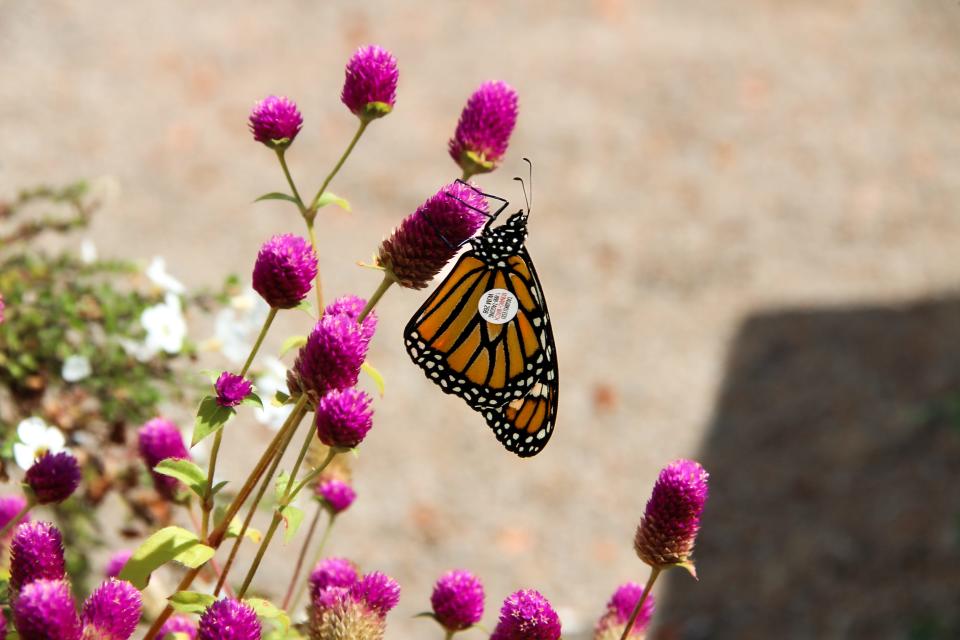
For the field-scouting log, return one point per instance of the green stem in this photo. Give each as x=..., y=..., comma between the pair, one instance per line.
x=303, y=555
x=316, y=556
x=16, y=518
x=304, y=448
x=448, y=635
x=264, y=485
x=388, y=280
x=654, y=572
x=288, y=497
x=316, y=281
x=293, y=187
x=207, y=506
x=336, y=168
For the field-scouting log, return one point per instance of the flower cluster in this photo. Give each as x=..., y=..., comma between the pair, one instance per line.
x=344, y=605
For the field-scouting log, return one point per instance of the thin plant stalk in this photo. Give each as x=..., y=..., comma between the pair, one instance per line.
x=388, y=280
x=293, y=187
x=316, y=556
x=16, y=518
x=654, y=573
x=336, y=168
x=207, y=505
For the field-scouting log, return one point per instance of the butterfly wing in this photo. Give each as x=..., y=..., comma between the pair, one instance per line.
x=484, y=363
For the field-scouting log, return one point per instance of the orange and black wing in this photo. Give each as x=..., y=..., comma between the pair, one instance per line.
x=485, y=363
x=524, y=425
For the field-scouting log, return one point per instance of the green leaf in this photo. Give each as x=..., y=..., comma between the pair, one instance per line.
x=268, y=610
x=253, y=400
x=186, y=472
x=210, y=418
x=217, y=487
x=332, y=198
x=233, y=530
x=292, y=517
x=191, y=601
x=281, y=398
x=293, y=342
x=280, y=485
x=276, y=195
x=375, y=375
x=195, y=556
x=157, y=550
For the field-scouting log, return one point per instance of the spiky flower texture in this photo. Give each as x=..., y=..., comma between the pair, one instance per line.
x=352, y=306
x=619, y=609
x=344, y=418
x=44, y=610
x=53, y=477
x=178, y=624
x=228, y=619
x=527, y=615
x=484, y=129
x=668, y=529
x=332, y=572
x=36, y=552
x=275, y=121
x=336, y=495
x=231, y=389
x=284, y=271
x=370, y=83
x=112, y=611
x=430, y=237
x=331, y=358
x=457, y=600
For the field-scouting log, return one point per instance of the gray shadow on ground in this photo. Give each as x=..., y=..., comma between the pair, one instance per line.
x=834, y=456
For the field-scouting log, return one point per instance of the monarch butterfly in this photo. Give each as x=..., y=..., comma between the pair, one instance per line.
x=484, y=335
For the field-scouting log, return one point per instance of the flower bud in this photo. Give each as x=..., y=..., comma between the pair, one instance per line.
x=284, y=271
x=484, y=129
x=457, y=600
x=619, y=609
x=36, y=552
x=344, y=418
x=228, y=619
x=160, y=439
x=332, y=572
x=275, y=121
x=331, y=358
x=336, y=495
x=370, y=85
x=53, y=477
x=231, y=389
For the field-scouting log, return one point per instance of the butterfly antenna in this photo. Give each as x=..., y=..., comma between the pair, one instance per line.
x=527, y=200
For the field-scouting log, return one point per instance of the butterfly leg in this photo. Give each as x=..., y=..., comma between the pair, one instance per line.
x=438, y=232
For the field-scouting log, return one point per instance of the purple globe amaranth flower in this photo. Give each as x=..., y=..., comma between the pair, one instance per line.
x=335, y=615
x=53, y=477
x=527, y=615
x=378, y=591
x=231, y=389
x=457, y=600
x=344, y=418
x=44, y=610
x=668, y=529
x=177, y=624
x=370, y=83
x=284, y=271
x=337, y=495
x=160, y=439
x=117, y=562
x=332, y=572
x=10, y=508
x=3, y=307
x=112, y=611
x=228, y=619
x=352, y=306
x=331, y=358
x=36, y=552
x=484, y=129
x=620, y=607
x=430, y=237
x=275, y=121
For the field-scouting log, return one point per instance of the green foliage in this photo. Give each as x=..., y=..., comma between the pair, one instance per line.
x=169, y=543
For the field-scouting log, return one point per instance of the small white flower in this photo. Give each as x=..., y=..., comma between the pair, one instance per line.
x=273, y=379
x=157, y=272
x=236, y=326
x=75, y=368
x=36, y=438
x=138, y=350
x=88, y=251
x=165, y=325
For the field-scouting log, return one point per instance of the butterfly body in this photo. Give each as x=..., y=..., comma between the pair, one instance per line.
x=484, y=335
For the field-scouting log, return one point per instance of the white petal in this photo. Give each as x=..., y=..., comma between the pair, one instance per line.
x=30, y=431
x=88, y=251
x=157, y=273
x=75, y=368
x=53, y=440
x=23, y=454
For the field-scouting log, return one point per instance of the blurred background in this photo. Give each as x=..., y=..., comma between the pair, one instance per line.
x=746, y=227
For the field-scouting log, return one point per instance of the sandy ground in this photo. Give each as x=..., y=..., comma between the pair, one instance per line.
x=696, y=163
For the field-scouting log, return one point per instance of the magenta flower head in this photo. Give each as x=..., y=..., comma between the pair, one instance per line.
x=53, y=477
x=332, y=572
x=378, y=591
x=228, y=619
x=112, y=611
x=670, y=523
x=527, y=615
x=3, y=306
x=336, y=495
x=335, y=614
x=275, y=121
x=619, y=609
x=344, y=418
x=117, y=562
x=177, y=624
x=484, y=129
x=36, y=552
x=331, y=358
x=10, y=508
x=160, y=439
x=231, y=389
x=44, y=610
x=429, y=238
x=370, y=85
x=352, y=306
x=284, y=271
x=457, y=600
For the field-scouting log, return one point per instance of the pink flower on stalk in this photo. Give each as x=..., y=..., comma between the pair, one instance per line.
x=336, y=495
x=275, y=121
x=36, y=552
x=284, y=271
x=331, y=358
x=344, y=418
x=430, y=237
x=160, y=439
x=45, y=610
x=484, y=129
x=112, y=611
x=370, y=83
x=332, y=572
x=457, y=600
x=527, y=615
x=53, y=477
x=668, y=529
x=619, y=609
x=10, y=508
x=228, y=619
x=352, y=306
x=231, y=389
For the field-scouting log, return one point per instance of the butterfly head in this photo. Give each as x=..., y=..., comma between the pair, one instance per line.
x=504, y=240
